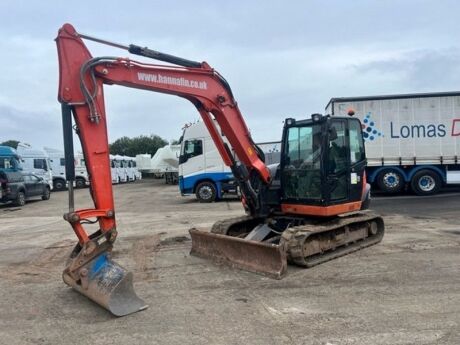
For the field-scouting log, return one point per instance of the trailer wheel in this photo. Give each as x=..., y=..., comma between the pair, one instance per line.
x=59, y=184
x=206, y=192
x=426, y=182
x=390, y=181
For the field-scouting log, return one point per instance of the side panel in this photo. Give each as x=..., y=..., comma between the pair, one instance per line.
x=188, y=182
x=409, y=131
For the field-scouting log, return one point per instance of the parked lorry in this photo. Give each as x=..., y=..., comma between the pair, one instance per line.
x=144, y=163
x=165, y=163
x=201, y=169
x=11, y=179
x=411, y=139
x=115, y=170
x=9, y=160
x=135, y=170
x=124, y=169
x=16, y=185
x=129, y=164
x=57, y=161
x=35, y=161
x=81, y=173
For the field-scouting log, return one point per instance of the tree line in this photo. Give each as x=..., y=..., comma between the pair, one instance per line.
x=126, y=146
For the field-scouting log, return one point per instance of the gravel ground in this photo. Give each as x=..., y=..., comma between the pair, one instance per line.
x=405, y=290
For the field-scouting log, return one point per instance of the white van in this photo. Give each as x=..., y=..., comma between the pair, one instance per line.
x=36, y=162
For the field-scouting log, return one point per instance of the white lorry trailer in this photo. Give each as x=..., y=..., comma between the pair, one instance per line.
x=165, y=163
x=410, y=139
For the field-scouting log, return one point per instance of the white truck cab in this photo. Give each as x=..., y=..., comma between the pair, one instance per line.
x=57, y=161
x=122, y=173
x=129, y=168
x=201, y=169
x=35, y=161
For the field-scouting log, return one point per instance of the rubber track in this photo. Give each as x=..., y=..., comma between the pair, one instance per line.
x=295, y=238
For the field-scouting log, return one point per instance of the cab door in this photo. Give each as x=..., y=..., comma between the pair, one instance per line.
x=345, y=161
x=191, y=163
x=32, y=186
x=358, y=160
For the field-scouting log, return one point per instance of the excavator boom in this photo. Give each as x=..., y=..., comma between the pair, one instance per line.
x=81, y=78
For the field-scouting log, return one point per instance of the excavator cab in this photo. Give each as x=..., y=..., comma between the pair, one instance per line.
x=322, y=165
x=312, y=202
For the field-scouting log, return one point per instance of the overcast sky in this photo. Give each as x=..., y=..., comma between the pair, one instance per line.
x=281, y=58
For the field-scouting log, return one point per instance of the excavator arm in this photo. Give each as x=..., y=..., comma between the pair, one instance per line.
x=81, y=80
x=81, y=87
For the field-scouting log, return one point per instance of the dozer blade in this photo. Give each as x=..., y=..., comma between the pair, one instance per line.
x=264, y=258
x=108, y=284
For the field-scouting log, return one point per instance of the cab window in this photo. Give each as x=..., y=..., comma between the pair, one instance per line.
x=338, y=165
x=193, y=148
x=357, y=153
x=6, y=163
x=40, y=163
x=302, y=171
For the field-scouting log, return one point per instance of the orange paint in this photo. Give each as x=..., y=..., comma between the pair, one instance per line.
x=321, y=211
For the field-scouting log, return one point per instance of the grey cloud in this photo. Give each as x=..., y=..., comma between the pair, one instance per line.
x=281, y=59
x=36, y=128
x=423, y=70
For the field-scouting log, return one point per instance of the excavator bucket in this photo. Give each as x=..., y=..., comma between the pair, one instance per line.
x=108, y=284
x=263, y=258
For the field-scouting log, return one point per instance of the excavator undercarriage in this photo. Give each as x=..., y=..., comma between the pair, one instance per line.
x=304, y=242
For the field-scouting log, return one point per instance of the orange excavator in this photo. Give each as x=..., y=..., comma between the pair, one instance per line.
x=306, y=210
